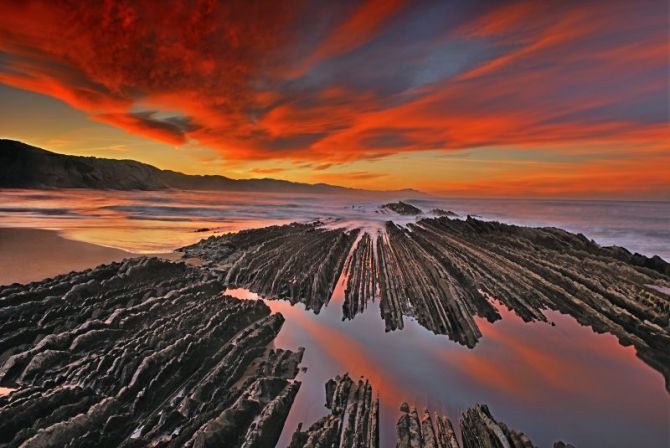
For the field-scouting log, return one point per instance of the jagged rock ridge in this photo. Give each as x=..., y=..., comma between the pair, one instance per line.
x=354, y=423
x=444, y=272
x=442, y=212
x=140, y=353
x=296, y=262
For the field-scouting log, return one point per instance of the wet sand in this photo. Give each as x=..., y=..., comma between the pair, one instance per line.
x=28, y=255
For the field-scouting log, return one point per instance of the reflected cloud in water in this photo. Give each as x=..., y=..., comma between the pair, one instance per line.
x=556, y=382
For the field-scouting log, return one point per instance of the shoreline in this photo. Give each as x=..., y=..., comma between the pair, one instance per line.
x=29, y=255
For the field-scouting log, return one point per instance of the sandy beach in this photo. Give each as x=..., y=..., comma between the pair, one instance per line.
x=28, y=255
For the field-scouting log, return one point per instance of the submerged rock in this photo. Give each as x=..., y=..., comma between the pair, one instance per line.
x=141, y=353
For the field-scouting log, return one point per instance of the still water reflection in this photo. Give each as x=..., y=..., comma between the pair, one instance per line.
x=561, y=382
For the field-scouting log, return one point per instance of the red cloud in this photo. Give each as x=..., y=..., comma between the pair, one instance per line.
x=240, y=80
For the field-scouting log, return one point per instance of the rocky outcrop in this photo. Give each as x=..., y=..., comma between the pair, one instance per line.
x=446, y=272
x=140, y=353
x=296, y=262
x=362, y=277
x=429, y=431
x=402, y=208
x=353, y=421
x=480, y=430
x=442, y=212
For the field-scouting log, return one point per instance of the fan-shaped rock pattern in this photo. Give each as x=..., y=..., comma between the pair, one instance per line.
x=444, y=272
x=140, y=353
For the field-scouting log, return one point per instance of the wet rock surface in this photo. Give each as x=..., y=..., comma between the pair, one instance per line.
x=402, y=208
x=296, y=262
x=140, y=353
x=442, y=212
x=446, y=272
x=354, y=422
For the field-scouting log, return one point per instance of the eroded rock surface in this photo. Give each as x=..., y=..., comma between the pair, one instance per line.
x=296, y=262
x=445, y=272
x=140, y=353
x=402, y=208
x=442, y=212
x=353, y=421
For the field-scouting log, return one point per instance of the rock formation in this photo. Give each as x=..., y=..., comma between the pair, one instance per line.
x=296, y=262
x=402, y=208
x=140, y=353
x=353, y=421
x=442, y=212
x=480, y=429
x=444, y=272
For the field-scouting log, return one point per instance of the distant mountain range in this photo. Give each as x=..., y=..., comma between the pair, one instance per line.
x=25, y=166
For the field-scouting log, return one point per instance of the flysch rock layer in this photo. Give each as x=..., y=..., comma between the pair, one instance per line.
x=140, y=353
x=296, y=262
x=445, y=272
x=354, y=423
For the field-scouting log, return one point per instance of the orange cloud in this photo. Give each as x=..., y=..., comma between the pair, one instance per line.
x=328, y=84
x=358, y=28
x=267, y=170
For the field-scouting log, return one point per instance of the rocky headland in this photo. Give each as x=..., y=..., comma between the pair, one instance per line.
x=25, y=166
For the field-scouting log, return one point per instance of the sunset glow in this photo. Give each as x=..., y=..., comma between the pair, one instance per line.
x=517, y=98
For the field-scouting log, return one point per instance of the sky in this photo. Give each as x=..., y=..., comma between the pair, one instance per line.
x=465, y=98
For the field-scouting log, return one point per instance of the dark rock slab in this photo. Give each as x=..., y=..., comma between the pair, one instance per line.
x=444, y=273
x=297, y=262
x=141, y=353
x=480, y=430
x=362, y=277
x=442, y=212
x=402, y=208
x=353, y=421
